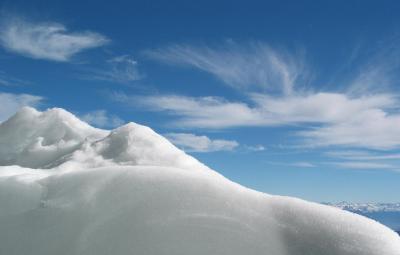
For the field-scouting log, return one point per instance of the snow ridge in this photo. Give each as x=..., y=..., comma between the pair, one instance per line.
x=57, y=139
x=67, y=188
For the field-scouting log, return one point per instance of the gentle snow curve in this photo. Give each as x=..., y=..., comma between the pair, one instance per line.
x=69, y=189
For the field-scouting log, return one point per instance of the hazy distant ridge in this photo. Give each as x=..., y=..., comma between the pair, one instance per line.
x=367, y=207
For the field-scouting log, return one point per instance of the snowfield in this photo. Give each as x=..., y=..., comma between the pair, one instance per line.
x=67, y=188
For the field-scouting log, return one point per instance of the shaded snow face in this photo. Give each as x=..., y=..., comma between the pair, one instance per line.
x=129, y=191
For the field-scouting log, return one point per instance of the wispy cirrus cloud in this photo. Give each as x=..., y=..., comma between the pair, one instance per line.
x=298, y=164
x=217, y=112
x=303, y=164
x=252, y=66
x=363, y=165
x=101, y=118
x=200, y=112
x=195, y=143
x=255, y=148
x=321, y=107
x=376, y=72
x=327, y=118
x=11, y=103
x=375, y=130
x=46, y=40
x=7, y=80
x=121, y=69
x=362, y=159
x=357, y=115
x=362, y=155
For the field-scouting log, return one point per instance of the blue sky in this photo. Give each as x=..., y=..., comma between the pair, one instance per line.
x=296, y=98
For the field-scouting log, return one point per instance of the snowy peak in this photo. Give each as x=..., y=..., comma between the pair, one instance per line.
x=58, y=139
x=34, y=139
x=134, y=144
x=53, y=125
x=367, y=207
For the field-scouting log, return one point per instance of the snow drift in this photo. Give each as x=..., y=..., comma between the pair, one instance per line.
x=69, y=188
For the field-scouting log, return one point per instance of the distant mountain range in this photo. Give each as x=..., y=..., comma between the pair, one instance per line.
x=367, y=207
x=385, y=213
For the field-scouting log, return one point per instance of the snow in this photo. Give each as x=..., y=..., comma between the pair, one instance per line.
x=57, y=139
x=34, y=139
x=385, y=213
x=68, y=188
x=367, y=207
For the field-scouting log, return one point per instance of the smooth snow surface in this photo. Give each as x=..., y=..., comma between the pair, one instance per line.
x=68, y=188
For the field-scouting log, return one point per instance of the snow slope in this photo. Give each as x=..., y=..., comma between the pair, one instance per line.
x=68, y=188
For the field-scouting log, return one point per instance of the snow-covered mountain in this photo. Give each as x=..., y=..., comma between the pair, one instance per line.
x=367, y=207
x=69, y=188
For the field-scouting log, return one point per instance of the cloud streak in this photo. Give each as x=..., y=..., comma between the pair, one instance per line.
x=327, y=118
x=121, y=69
x=363, y=165
x=277, y=92
x=360, y=159
x=7, y=80
x=195, y=143
x=255, y=148
x=379, y=130
x=200, y=112
x=362, y=155
x=46, y=40
x=252, y=66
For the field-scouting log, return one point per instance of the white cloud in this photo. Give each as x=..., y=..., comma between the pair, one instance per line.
x=329, y=118
x=51, y=41
x=321, y=107
x=303, y=164
x=300, y=164
x=361, y=159
x=364, y=114
x=257, y=147
x=363, y=122
x=195, y=143
x=265, y=110
x=100, y=118
x=203, y=112
x=11, y=103
x=363, y=165
x=375, y=129
x=121, y=69
x=377, y=73
x=254, y=65
x=362, y=155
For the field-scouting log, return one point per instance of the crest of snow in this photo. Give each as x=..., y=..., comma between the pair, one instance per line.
x=57, y=139
x=67, y=188
x=35, y=139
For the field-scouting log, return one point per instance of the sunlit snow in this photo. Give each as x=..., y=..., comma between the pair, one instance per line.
x=68, y=188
